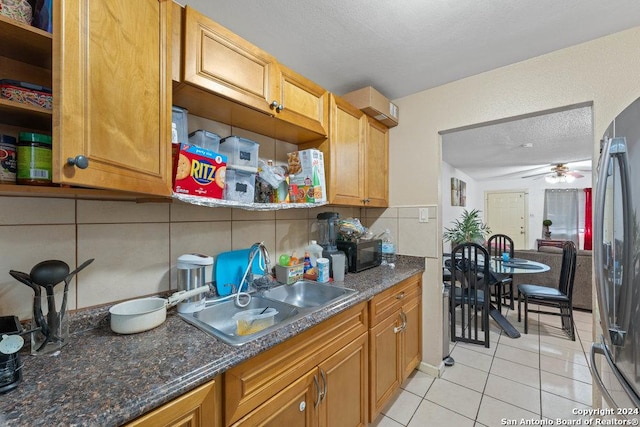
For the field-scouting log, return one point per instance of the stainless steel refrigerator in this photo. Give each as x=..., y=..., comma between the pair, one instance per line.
x=615, y=355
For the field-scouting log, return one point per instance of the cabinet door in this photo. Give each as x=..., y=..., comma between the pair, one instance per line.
x=302, y=102
x=346, y=139
x=376, y=164
x=411, y=336
x=293, y=406
x=344, y=378
x=197, y=408
x=112, y=101
x=221, y=62
x=384, y=359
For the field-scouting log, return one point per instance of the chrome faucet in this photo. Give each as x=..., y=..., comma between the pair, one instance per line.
x=260, y=250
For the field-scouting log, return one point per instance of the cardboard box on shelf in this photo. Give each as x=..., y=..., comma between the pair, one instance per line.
x=198, y=171
x=306, y=173
x=374, y=104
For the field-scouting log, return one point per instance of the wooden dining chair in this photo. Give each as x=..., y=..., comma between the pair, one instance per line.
x=496, y=246
x=470, y=293
x=560, y=298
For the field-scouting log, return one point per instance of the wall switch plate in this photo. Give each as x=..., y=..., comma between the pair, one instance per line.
x=423, y=214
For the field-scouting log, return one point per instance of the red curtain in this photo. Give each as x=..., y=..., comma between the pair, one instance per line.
x=588, y=244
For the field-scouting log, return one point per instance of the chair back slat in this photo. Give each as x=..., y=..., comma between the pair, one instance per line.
x=568, y=268
x=469, y=295
x=499, y=243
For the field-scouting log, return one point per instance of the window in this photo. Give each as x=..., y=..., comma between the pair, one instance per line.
x=565, y=208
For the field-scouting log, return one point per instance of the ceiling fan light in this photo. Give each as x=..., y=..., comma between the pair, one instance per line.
x=553, y=179
x=569, y=178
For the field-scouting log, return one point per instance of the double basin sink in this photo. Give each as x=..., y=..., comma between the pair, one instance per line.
x=292, y=302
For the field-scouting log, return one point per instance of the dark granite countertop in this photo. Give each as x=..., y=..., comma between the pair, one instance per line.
x=104, y=379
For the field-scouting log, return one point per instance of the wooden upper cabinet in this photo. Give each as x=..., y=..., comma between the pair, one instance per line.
x=220, y=61
x=112, y=98
x=301, y=101
x=345, y=153
x=376, y=164
x=222, y=77
x=356, y=157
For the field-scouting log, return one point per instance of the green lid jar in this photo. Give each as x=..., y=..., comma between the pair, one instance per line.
x=34, y=157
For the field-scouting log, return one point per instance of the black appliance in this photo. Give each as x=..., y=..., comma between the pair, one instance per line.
x=361, y=255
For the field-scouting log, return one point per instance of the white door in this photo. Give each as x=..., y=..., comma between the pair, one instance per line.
x=506, y=213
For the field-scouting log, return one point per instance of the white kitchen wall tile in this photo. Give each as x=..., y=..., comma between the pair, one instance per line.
x=417, y=239
x=22, y=247
x=110, y=212
x=291, y=236
x=35, y=210
x=208, y=238
x=246, y=233
x=131, y=260
x=408, y=212
x=245, y=215
x=381, y=224
x=187, y=212
x=292, y=214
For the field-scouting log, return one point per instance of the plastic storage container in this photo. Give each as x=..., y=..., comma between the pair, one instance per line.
x=179, y=116
x=239, y=186
x=205, y=139
x=315, y=252
x=254, y=320
x=240, y=152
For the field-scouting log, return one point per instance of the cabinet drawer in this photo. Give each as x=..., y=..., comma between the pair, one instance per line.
x=251, y=383
x=385, y=303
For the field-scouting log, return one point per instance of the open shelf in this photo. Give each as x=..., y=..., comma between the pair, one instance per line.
x=25, y=43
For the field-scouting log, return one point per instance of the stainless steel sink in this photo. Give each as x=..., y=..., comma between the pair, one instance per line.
x=308, y=294
x=217, y=319
x=291, y=301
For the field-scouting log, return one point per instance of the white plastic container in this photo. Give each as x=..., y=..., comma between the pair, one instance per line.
x=205, y=139
x=240, y=186
x=315, y=252
x=179, y=116
x=241, y=153
x=323, y=270
x=254, y=320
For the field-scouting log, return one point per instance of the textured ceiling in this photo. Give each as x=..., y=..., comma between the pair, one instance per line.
x=403, y=47
x=522, y=147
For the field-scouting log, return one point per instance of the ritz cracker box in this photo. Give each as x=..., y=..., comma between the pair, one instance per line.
x=306, y=173
x=198, y=171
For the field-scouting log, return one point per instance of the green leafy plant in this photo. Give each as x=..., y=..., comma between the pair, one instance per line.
x=467, y=229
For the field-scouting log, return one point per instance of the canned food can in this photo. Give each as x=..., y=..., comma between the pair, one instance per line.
x=34, y=159
x=8, y=164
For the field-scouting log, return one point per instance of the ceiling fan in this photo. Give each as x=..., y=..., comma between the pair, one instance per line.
x=559, y=172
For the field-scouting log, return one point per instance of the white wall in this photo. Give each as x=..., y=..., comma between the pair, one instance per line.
x=603, y=72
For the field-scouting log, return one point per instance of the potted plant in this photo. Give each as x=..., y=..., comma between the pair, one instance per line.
x=467, y=229
x=545, y=228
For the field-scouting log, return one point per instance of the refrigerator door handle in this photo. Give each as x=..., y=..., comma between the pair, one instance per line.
x=598, y=232
x=597, y=348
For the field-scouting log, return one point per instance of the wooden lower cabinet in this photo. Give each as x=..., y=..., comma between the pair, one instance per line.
x=395, y=340
x=335, y=355
x=200, y=407
x=334, y=394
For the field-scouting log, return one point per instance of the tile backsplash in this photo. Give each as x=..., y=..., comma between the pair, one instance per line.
x=136, y=245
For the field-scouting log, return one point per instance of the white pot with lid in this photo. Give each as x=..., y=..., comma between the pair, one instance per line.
x=192, y=274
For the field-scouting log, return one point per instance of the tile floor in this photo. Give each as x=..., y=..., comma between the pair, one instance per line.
x=541, y=375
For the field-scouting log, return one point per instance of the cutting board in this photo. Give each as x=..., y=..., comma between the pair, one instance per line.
x=230, y=267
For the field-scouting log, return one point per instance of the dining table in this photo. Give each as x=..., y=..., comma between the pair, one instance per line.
x=500, y=267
